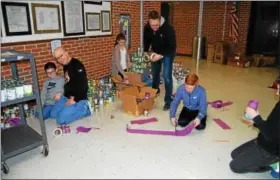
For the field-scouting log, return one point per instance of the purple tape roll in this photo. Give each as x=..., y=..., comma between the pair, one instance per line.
x=253, y=104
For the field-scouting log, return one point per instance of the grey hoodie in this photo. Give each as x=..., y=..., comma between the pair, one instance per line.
x=50, y=88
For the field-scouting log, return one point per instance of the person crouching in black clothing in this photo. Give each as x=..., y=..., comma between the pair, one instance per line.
x=256, y=155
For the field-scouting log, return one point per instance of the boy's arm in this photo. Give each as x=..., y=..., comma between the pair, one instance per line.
x=59, y=89
x=43, y=93
x=175, y=103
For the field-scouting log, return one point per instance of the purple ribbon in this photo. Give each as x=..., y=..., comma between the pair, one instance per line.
x=183, y=132
x=222, y=124
x=219, y=104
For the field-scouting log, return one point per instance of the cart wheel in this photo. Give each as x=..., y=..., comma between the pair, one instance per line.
x=5, y=168
x=45, y=151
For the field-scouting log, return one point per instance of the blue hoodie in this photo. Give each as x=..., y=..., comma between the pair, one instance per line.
x=193, y=101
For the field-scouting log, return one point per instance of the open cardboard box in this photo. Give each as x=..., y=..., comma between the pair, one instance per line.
x=134, y=102
x=134, y=80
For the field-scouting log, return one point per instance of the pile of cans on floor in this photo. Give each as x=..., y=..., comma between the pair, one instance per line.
x=101, y=92
x=179, y=72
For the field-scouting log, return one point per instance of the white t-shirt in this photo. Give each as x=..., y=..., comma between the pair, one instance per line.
x=123, y=59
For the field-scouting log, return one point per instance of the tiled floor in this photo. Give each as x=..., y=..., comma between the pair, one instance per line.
x=113, y=153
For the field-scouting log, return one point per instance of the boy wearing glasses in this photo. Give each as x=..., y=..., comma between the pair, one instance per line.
x=52, y=90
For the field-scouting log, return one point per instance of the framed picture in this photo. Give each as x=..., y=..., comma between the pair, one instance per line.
x=73, y=18
x=125, y=28
x=93, y=21
x=93, y=2
x=46, y=18
x=16, y=18
x=106, y=21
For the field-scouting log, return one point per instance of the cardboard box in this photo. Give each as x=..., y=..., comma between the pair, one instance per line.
x=134, y=79
x=210, y=52
x=134, y=102
x=239, y=61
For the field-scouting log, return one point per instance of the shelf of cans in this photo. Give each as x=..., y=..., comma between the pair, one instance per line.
x=15, y=88
x=10, y=116
x=179, y=72
x=101, y=92
x=139, y=62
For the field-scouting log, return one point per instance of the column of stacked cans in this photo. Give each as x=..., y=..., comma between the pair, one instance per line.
x=101, y=92
x=179, y=72
x=138, y=62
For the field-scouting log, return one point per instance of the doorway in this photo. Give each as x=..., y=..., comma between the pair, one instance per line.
x=166, y=11
x=263, y=36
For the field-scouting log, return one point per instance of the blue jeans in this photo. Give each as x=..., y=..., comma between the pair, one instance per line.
x=46, y=112
x=68, y=114
x=167, y=75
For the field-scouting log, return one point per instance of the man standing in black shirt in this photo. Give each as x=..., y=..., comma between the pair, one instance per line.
x=159, y=36
x=74, y=103
x=256, y=155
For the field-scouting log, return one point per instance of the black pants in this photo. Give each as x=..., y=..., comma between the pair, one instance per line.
x=125, y=70
x=250, y=157
x=187, y=115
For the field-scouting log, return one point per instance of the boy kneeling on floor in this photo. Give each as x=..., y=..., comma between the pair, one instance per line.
x=193, y=96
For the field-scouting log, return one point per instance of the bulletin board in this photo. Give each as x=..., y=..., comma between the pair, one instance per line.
x=42, y=20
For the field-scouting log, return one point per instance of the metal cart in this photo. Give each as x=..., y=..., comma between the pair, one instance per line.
x=21, y=138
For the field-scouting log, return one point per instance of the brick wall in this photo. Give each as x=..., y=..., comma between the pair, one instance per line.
x=185, y=21
x=94, y=52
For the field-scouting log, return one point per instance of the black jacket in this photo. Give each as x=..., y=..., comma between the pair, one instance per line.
x=269, y=135
x=78, y=83
x=163, y=41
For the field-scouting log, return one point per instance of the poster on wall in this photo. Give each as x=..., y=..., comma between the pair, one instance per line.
x=106, y=21
x=46, y=18
x=93, y=21
x=73, y=18
x=16, y=18
x=125, y=28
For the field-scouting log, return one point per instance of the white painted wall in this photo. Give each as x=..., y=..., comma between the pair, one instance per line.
x=36, y=37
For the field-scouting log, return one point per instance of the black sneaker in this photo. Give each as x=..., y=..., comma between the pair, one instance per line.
x=262, y=169
x=166, y=107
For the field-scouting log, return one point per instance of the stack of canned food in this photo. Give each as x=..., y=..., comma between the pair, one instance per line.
x=138, y=60
x=101, y=92
x=14, y=89
x=179, y=72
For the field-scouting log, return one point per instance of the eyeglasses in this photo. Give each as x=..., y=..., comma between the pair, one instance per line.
x=50, y=72
x=59, y=57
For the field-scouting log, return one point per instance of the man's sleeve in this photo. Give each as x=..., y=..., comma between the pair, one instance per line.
x=171, y=38
x=78, y=82
x=202, y=106
x=147, y=41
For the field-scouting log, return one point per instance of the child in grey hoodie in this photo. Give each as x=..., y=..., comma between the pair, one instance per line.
x=53, y=89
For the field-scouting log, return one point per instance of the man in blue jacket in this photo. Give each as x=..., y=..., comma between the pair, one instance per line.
x=159, y=37
x=195, y=103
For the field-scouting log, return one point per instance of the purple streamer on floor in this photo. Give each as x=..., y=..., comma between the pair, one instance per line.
x=83, y=129
x=183, y=132
x=222, y=124
x=219, y=104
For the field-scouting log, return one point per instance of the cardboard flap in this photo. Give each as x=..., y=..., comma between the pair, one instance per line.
x=149, y=90
x=133, y=77
x=131, y=91
x=128, y=100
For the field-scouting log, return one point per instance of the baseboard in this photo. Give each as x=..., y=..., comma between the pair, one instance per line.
x=180, y=54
